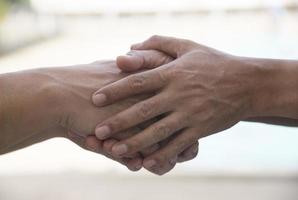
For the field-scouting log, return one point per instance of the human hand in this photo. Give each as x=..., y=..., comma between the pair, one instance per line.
x=79, y=116
x=134, y=62
x=201, y=92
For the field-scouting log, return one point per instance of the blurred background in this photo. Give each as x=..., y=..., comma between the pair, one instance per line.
x=249, y=161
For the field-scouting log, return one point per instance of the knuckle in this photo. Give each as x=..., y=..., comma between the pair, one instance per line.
x=161, y=131
x=110, y=93
x=133, y=145
x=164, y=167
x=173, y=73
x=117, y=124
x=162, y=76
x=145, y=110
x=184, y=144
x=149, y=150
x=154, y=38
x=161, y=160
x=137, y=82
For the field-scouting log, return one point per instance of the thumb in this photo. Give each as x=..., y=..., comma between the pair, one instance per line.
x=142, y=59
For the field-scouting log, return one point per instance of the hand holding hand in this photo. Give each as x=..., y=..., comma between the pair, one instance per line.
x=79, y=116
x=201, y=92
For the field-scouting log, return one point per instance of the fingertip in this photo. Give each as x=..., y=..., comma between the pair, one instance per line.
x=135, y=164
x=99, y=99
x=149, y=164
x=120, y=149
x=103, y=132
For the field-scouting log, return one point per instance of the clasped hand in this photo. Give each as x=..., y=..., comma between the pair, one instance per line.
x=194, y=91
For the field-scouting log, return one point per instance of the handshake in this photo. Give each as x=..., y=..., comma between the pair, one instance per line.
x=147, y=109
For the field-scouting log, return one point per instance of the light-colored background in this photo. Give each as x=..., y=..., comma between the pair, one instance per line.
x=249, y=161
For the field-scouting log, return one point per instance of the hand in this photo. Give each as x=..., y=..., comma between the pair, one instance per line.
x=201, y=92
x=79, y=116
x=41, y=104
x=133, y=62
x=58, y=105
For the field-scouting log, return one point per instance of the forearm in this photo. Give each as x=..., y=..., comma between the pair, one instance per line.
x=26, y=113
x=274, y=88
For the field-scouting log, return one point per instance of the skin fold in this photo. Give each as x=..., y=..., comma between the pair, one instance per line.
x=44, y=103
x=199, y=91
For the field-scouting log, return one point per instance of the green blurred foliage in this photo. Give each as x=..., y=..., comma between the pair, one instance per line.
x=3, y=8
x=5, y=5
x=15, y=1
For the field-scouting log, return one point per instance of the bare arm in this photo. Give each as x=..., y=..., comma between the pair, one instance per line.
x=27, y=109
x=39, y=104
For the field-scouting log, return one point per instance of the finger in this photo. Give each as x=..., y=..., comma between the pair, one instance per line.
x=95, y=145
x=189, y=153
x=161, y=161
x=131, y=117
x=172, y=161
x=108, y=145
x=161, y=169
x=149, y=150
x=141, y=83
x=152, y=135
x=133, y=162
x=169, y=45
x=127, y=133
x=136, y=60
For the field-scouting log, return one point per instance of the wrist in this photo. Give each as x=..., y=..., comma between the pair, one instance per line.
x=28, y=104
x=272, y=87
x=53, y=99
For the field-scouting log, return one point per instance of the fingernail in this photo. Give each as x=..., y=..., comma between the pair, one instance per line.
x=150, y=163
x=102, y=132
x=120, y=149
x=99, y=99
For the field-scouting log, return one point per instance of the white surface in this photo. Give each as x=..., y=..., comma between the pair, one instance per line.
x=103, y=6
x=82, y=186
